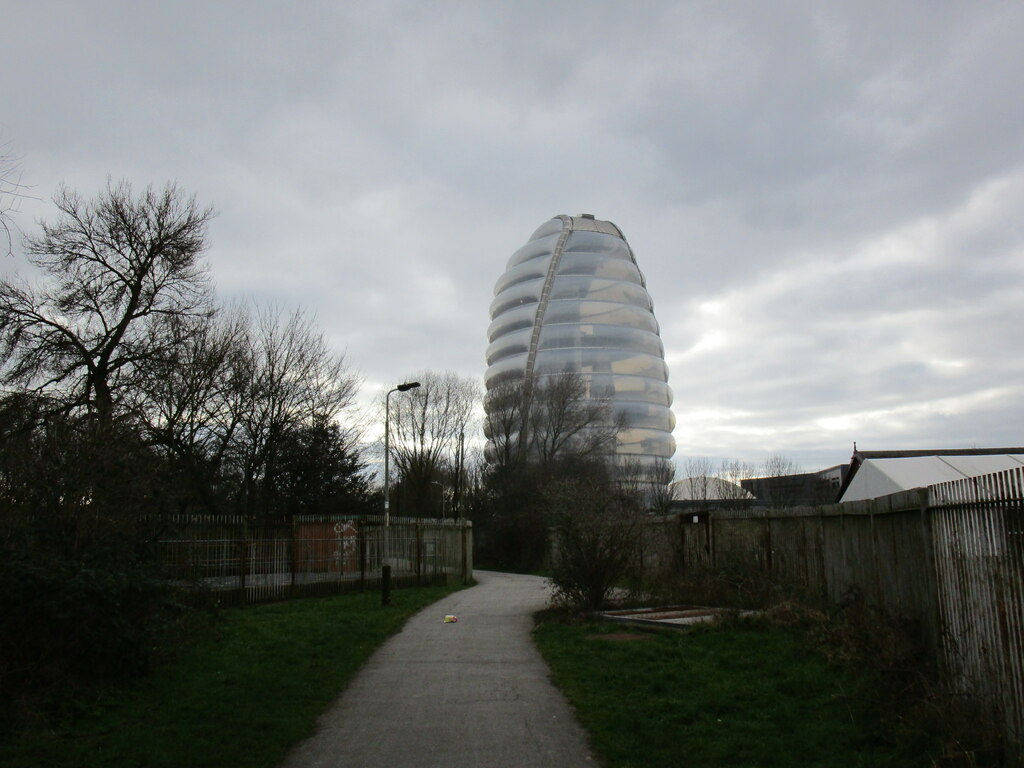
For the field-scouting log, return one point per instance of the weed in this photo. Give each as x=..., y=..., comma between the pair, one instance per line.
x=897, y=679
x=901, y=683
x=742, y=694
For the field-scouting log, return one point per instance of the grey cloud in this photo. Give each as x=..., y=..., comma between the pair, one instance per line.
x=842, y=182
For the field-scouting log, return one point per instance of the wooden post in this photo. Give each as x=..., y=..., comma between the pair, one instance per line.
x=876, y=565
x=822, y=573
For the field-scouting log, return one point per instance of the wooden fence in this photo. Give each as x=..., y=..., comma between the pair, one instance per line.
x=244, y=561
x=949, y=558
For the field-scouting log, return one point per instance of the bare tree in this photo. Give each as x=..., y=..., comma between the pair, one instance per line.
x=659, y=493
x=425, y=426
x=728, y=482
x=697, y=475
x=564, y=421
x=777, y=465
x=294, y=380
x=538, y=431
x=504, y=407
x=545, y=420
x=650, y=482
x=196, y=396
x=597, y=529
x=779, y=482
x=779, y=489
x=12, y=191
x=248, y=395
x=125, y=279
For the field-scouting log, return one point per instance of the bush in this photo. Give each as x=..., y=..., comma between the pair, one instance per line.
x=901, y=683
x=75, y=620
x=596, y=533
x=732, y=585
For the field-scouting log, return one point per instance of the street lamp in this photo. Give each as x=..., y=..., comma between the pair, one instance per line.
x=441, y=487
x=385, y=569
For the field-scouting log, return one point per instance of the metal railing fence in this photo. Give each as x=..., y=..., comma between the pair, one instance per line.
x=245, y=561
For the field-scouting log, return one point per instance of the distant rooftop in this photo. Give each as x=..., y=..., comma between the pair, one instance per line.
x=879, y=473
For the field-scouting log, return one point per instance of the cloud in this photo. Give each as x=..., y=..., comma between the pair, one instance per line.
x=823, y=199
x=907, y=338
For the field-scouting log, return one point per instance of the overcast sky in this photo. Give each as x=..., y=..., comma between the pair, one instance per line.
x=826, y=198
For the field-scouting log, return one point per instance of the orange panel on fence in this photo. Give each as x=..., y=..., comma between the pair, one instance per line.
x=332, y=547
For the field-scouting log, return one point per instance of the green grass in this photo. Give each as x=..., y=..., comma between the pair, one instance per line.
x=240, y=696
x=737, y=695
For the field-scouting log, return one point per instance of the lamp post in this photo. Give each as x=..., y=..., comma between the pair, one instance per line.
x=441, y=487
x=385, y=569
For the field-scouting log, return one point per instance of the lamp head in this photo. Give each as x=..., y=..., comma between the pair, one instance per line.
x=407, y=386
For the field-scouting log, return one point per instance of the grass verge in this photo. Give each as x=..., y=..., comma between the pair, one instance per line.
x=240, y=696
x=741, y=694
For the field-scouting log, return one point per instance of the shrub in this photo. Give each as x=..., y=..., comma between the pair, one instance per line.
x=596, y=534
x=75, y=619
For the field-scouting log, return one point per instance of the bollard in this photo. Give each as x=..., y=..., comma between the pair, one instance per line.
x=385, y=585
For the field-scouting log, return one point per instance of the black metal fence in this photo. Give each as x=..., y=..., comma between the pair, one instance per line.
x=245, y=561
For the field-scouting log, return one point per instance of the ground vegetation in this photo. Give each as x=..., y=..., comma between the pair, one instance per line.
x=898, y=680
x=210, y=704
x=739, y=694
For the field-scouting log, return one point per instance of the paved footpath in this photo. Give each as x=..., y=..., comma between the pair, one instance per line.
x=473, y=694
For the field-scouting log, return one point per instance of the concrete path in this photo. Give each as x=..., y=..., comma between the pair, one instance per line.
x=475, y=693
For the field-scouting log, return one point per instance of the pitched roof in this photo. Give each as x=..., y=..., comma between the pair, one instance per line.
x=879, y=473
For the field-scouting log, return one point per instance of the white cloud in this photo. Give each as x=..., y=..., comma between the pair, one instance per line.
x=824, y=199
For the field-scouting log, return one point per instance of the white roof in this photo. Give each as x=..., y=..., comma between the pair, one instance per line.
x=880, y=477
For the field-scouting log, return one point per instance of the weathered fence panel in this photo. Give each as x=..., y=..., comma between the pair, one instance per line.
x=949, y=559
x=980, y=572
x=694, y=535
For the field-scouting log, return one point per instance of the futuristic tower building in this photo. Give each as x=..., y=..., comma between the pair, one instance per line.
x=573, y=300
